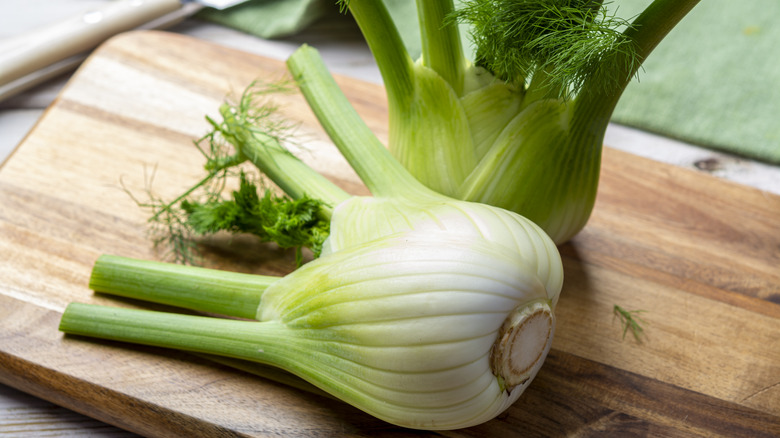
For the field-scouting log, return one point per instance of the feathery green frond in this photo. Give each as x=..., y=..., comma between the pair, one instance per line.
x=552, y=44
x=289, y=223
x=202, y=209
x=630, y=320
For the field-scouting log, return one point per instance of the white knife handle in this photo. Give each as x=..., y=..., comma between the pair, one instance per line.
x=37, y=49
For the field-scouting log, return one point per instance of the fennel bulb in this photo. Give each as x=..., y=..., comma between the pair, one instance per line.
x=425, y=330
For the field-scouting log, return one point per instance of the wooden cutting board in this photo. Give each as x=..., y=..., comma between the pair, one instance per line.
x=701, y=256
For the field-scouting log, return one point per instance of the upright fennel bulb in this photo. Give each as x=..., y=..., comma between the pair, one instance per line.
x=425, y=311
x=521, y=125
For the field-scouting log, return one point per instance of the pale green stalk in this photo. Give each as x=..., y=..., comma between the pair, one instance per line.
x=422, y=104
x=381, y=173
x=441, y=47
x=206, y=290
x=647, y=31
x=266, y=343
x=387, y=47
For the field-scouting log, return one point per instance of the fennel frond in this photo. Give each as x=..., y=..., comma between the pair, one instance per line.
x=630, y=320
x=204, y=210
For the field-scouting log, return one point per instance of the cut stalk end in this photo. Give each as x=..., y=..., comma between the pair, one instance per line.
x=523, y=343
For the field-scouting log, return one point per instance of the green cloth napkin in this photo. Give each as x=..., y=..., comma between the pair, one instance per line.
x=269, y=18
x=714, y=81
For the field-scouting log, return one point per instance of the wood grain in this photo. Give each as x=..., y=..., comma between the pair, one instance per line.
x=699, y=255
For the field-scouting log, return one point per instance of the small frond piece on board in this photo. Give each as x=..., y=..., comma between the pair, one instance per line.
x=630, y=320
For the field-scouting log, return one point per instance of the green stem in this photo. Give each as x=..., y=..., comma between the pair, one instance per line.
x=441, y=47
x=206, y=290
x=288, y=172
x=387, y=47
x=263, y=342
x=376, y=167
x=538, y=89
x=646, y=31
x=199, y=334
x=594, y=105
x=655, y=22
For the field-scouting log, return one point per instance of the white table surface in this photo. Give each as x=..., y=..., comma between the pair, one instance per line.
x=341, y=45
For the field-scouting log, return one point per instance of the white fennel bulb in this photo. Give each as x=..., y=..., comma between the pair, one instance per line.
x=426, y=330
x=423, y=329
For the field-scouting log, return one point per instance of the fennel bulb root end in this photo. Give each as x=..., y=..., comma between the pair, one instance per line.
x=522, y=344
